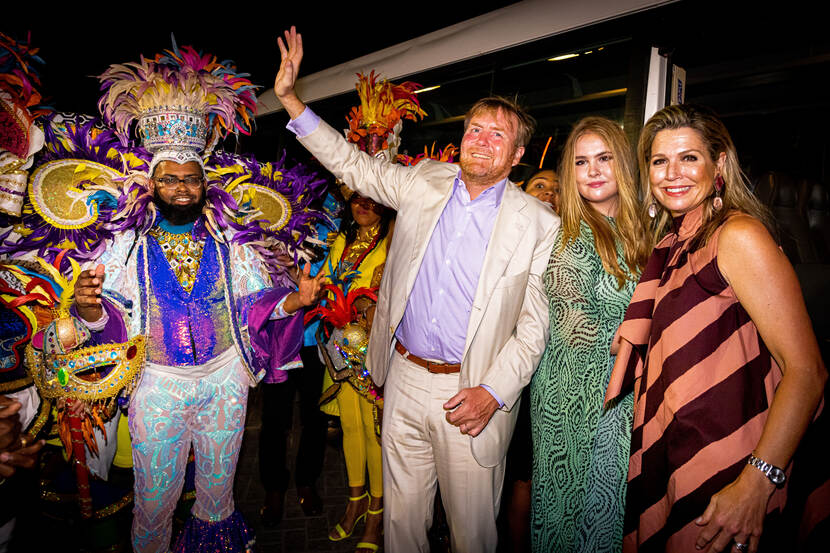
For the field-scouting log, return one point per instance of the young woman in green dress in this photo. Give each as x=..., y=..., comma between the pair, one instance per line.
x=580, y=448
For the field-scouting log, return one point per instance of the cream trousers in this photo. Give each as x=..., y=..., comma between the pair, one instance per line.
x=422, y=451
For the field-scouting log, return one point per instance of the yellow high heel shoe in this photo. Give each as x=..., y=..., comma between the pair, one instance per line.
x=342, y=534
x=369, y=545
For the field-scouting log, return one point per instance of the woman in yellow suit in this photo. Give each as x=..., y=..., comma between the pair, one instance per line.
x=357, y=257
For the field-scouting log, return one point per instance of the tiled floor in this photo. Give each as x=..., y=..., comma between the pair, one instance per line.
x=296, y=533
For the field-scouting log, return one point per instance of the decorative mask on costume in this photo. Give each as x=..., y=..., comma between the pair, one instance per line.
x=93, y=375
x=347, y=346
x=89, y=374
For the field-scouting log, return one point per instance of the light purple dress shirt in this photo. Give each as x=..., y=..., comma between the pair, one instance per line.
x=434, y=324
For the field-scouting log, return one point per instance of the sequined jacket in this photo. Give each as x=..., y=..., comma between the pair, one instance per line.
x=126, y=286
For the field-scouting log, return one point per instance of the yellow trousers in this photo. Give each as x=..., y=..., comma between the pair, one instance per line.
x=360, y=444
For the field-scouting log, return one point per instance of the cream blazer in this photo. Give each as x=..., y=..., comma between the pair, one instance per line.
x=508, y=325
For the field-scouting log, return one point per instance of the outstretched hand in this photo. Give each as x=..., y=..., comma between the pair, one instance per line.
x=473, y=409
x=309, y=290
x=310, y=287
x=291, y=54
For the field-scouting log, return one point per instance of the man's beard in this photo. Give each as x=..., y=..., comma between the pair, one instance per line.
x=179, y=214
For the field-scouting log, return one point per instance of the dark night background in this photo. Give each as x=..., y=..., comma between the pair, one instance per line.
x=81, y=43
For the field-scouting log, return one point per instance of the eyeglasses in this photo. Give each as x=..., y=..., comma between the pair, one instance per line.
x=191, y=181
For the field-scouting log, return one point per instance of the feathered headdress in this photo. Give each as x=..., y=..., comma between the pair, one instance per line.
x=74, y=189
x=20, y=138
x=375, y=124
x=275, y=206
x=184, y=102
x=447, y=155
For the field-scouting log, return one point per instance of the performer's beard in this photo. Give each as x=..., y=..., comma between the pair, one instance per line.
x=178, y=214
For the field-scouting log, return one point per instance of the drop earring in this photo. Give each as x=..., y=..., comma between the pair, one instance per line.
x=717, y=203
x=652, y=210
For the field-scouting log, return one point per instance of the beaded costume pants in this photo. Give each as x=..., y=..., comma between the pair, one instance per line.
x=167, y=415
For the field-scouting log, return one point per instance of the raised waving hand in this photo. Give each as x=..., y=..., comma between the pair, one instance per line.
x=291, y=53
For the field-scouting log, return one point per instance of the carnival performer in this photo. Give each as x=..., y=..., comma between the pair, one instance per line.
x=580, y=449
x=718, y=347
x=203, y=300
x=356, y=262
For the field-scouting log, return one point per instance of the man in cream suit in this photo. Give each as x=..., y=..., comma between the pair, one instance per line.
x=462, y=316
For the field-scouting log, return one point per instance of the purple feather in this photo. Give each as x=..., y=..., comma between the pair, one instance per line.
x=300, y=187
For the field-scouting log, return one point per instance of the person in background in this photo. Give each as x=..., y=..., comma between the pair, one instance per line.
x=719, y=350
x=277, y=418
x=544, y=185
x=356, y=261
x=580, y=448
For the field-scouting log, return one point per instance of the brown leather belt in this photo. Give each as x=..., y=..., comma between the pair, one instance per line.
x=434, y=368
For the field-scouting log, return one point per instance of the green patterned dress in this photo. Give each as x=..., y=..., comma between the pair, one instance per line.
x=580, y=450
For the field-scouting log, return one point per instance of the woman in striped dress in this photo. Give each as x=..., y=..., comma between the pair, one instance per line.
x=719, y=349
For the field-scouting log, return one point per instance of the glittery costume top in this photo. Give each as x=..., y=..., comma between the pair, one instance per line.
x=189, y=321
x=183, y=254
x=229, y=303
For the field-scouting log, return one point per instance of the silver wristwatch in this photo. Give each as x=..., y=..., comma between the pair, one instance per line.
x=775, y=474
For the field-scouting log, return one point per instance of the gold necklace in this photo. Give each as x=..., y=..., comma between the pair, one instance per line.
x=365, y=238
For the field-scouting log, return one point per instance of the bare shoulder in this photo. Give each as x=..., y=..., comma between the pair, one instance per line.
x=745, y=247
x=745, y=236
x=743, y=228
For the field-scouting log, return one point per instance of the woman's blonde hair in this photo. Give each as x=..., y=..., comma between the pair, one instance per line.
x=736, y=195
x=630, y=230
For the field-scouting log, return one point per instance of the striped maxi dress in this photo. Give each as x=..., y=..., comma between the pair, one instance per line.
x=703, y=383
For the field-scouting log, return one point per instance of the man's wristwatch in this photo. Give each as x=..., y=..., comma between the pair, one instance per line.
x=775, y=474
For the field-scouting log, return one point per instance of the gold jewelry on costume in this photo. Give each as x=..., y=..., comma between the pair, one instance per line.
x=364, y=240
x=182, y=252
